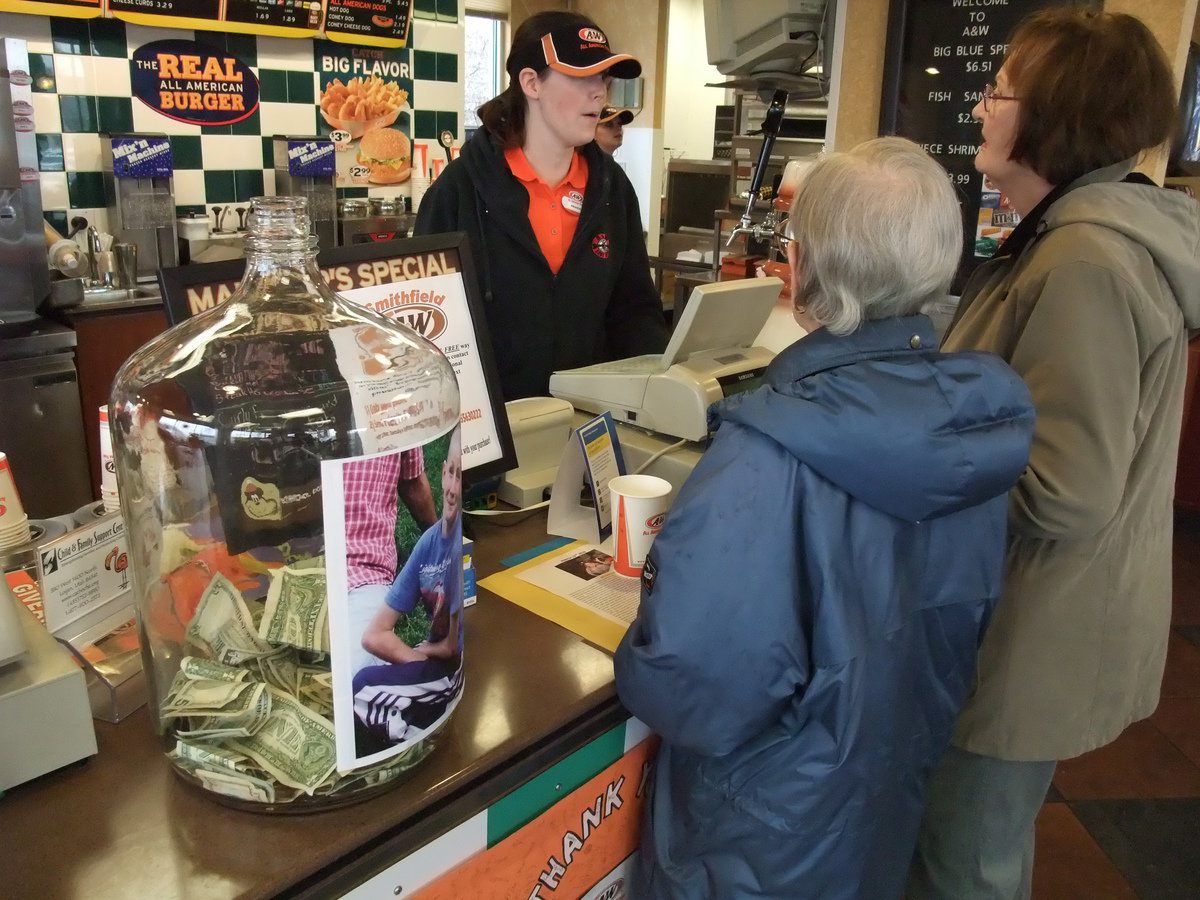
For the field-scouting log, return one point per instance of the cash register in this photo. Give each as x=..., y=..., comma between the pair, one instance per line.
x=712, y=354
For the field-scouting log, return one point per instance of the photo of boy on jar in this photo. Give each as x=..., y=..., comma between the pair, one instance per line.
x=587, y=565
x=413, y=642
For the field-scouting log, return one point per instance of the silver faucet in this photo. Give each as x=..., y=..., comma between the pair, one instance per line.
x=770, y=131
x=93, y=248
x=100, y=262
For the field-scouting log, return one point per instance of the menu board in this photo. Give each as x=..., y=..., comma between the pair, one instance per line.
x=376, y=23
x=71, y=9
x=380, y=23
x=289, y=14
x=940, y=55
x=281, y=18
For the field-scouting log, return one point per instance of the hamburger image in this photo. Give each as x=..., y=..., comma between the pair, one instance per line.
x=387, y=152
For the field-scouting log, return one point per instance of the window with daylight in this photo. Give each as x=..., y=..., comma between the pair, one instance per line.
x=483, y=62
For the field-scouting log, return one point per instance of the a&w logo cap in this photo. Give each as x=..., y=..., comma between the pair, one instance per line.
x=573, y=51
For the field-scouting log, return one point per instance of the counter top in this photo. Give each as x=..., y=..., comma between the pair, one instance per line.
x=146, y=297
x=122, y=825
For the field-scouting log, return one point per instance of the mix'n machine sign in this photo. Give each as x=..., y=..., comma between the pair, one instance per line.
x=193, y=82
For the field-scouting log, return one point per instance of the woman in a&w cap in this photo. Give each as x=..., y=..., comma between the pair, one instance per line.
x=553, y=222
x=610, y=133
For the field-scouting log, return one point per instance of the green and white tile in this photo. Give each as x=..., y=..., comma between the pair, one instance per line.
x=45, y=113
x=81, y=152
x=54, y=190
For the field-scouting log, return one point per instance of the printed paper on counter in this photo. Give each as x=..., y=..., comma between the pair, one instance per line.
x=584, y=574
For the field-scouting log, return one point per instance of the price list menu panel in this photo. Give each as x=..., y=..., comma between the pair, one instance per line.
x=375, y=22
x=75, y=9
x=204, y=10
x=940, y=56
x=302, y=14
x=282, y=18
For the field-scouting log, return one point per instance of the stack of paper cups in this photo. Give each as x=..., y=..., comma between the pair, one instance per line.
x=108, y=467
x=14, y=523
x=419, y=185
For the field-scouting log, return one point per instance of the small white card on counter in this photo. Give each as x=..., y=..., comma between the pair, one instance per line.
x=589, y=461
x=83, y=570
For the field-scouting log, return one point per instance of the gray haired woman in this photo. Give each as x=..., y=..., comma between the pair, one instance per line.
x=811, y=611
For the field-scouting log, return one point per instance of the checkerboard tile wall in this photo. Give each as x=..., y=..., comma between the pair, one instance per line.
x=80, y=70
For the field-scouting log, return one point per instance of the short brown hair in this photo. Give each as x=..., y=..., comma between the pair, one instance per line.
x=1095, y=88
x=504, y=114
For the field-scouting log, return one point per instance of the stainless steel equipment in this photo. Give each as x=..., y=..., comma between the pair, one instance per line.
x=362, y=220
x=41, y=417
x=41, y=422
x=305, y=167
x=141, y=207
x=23, y=270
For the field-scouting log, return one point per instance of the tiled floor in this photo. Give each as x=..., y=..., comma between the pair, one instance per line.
x=1124, y=820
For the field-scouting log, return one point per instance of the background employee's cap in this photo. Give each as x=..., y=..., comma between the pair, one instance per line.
x=573, y=51
x=609, y=113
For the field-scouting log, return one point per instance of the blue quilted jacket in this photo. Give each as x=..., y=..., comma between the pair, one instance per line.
x=811, y=613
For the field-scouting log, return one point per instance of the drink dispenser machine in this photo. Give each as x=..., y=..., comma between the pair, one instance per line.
x=140, y=197
x=307, y=167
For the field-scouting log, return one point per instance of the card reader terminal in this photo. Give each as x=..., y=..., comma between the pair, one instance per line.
x=710, y=356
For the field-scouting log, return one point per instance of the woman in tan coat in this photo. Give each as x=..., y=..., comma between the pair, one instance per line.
x=1088, y=300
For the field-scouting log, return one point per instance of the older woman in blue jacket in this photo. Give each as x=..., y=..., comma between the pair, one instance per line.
x=812, y=610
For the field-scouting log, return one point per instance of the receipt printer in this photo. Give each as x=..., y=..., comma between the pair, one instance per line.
x=540, y=427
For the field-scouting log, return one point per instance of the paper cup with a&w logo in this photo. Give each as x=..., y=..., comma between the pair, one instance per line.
x=14, y=523
x=639, y=506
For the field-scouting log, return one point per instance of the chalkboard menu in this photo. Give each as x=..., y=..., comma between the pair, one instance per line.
x=940, y=55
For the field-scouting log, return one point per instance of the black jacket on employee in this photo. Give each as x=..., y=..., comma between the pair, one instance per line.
x=601, y=305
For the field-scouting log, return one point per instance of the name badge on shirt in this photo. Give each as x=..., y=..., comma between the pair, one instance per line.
x=572, y=202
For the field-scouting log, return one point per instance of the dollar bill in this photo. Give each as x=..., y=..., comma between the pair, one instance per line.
x=196, y=667
x=251, y=709
x=222, y=624
x=236, y=785
x=226, y=723
x=295, y=745
x=206, y=696
x=297, y=610
x=211, y=755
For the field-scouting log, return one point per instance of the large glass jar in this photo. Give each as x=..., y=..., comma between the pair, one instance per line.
x=289, y=469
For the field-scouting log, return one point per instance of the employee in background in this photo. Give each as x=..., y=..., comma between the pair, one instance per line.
x=1088, y=299
x=811, y=612
x=555, y=231
x=610, y=133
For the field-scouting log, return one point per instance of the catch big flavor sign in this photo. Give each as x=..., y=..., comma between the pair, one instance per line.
x=192, y=82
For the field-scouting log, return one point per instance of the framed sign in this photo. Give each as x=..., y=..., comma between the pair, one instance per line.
x=426, y=283
x=940, y=55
